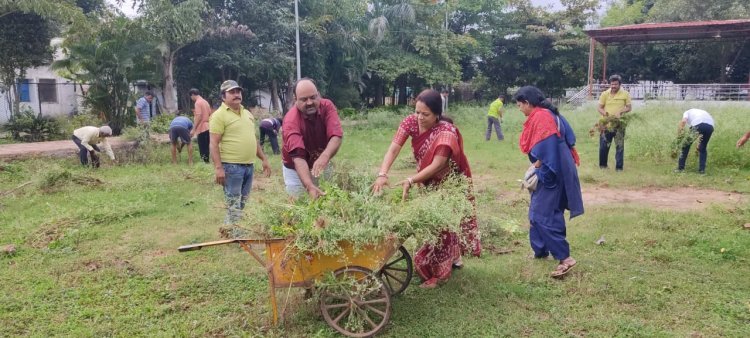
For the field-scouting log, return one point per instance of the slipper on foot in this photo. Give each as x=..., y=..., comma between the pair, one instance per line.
x=563, y=269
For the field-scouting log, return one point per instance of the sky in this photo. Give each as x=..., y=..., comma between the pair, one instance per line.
x=126, y=7
x=553, y=4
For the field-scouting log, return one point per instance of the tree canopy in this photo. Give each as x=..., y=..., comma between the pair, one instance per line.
x=359, y=52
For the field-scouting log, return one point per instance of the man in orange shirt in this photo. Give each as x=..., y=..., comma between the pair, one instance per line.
x=201, y=115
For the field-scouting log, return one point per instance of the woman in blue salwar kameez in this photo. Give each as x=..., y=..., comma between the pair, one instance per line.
x=550, y=144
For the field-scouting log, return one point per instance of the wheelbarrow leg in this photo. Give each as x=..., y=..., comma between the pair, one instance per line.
x=274, y=307
x=271, y=285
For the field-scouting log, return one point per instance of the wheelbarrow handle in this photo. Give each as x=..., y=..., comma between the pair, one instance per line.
x=199, y=246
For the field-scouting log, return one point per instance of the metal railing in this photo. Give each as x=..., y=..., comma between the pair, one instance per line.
x=670, y=91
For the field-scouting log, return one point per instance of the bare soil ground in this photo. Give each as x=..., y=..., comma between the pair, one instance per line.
x=59, y=148
x=677, y=199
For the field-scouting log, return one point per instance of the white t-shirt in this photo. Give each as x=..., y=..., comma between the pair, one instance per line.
x=695, y=117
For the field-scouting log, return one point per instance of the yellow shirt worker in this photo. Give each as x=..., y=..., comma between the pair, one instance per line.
x=494, y=114
x=613, y=102
x=232, y=146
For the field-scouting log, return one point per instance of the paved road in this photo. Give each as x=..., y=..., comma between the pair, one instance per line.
x=58, y=148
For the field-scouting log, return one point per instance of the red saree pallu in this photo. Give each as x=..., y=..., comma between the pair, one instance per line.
x=444, y=139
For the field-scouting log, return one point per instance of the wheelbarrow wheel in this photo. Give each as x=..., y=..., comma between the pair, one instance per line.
x=397, y=273
x=357, y=304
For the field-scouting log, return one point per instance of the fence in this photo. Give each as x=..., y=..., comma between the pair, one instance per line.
x=671, y=91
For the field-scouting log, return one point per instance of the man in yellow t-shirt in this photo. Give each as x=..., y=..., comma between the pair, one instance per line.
x=232, y=145
x=613, y=102
x=494, y=117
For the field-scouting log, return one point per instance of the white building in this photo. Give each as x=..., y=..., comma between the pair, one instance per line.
x=43, y=91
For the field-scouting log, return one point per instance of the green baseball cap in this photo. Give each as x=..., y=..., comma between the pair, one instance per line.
x=229, y=85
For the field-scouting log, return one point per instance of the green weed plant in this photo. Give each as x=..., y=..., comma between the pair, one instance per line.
x=349, y=212
x=684, y=138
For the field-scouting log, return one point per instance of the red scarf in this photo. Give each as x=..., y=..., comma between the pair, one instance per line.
x=538, y=126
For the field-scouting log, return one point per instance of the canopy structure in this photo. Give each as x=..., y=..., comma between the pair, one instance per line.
x=663, y=32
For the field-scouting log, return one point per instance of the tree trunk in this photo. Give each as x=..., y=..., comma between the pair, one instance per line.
x=401, y=85
x=290, y=92
x=379, y=97
x=275, y=96
x=170, y=94
x=16, y=99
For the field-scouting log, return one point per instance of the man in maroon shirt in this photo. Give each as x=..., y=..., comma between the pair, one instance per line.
x=312, y=135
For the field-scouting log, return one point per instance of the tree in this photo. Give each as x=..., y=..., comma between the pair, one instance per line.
x=62, y=11
x=24, y=43
x=109, y=61
x=534, y=47
x=413, y=49
x=173, y=26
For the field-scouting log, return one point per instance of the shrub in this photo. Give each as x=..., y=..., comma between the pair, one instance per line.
x=160, y=123
x=27, y=126
x=78, y=121
x=348, y=113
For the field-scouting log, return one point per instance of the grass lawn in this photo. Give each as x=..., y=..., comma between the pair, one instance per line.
x=96, y=251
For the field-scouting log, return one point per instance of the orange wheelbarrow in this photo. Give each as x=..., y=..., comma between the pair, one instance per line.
x=359, y=307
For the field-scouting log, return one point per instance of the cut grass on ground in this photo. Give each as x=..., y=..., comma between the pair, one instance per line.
x=100, y=259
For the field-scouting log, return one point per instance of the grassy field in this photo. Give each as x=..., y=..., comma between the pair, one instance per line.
x=96, y=250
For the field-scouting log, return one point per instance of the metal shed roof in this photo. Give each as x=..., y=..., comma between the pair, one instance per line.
x=695, y=30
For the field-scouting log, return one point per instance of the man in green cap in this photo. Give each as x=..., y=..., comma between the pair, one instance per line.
x=232, y=145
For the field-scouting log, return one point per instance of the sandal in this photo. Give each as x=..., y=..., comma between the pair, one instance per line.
x=458, y=263
x=563, y=268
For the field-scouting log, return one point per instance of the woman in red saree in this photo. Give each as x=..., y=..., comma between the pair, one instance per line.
x=438, y=149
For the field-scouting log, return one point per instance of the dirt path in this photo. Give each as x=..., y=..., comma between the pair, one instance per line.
x=677, y=199
x=58, y=148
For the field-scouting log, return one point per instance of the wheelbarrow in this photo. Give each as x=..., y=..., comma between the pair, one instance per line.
x=359, y=306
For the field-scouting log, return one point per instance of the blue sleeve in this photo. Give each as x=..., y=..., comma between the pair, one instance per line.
x=546, y=152
x=570, y=136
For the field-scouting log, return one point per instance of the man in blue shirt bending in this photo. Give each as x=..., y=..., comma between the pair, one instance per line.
x=179, y=132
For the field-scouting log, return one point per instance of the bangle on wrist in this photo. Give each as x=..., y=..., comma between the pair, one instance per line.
x=381, y=174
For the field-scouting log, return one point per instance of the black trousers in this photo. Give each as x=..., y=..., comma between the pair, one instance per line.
x=705, y=130
x=272, y=137
x=84, y=153
x=203, y=141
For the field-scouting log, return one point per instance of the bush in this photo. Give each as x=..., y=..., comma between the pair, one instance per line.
x=348, y=113
x=78, y=121
x=27, y=126
x=160, y=123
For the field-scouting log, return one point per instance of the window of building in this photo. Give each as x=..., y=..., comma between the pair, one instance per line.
x=47, y=91
x=23, y=90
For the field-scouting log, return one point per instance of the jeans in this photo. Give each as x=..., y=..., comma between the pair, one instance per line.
x=605, y=141
x=272, y=137
x=294, y=186
x=494, y=121
x=237, y=183
x=84, y=153
x=203, y=141
x=705, y=130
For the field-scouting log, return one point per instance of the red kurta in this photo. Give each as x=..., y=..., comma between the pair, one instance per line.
x=444, y=139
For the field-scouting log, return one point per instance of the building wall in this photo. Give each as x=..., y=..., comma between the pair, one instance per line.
x=68, y=94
